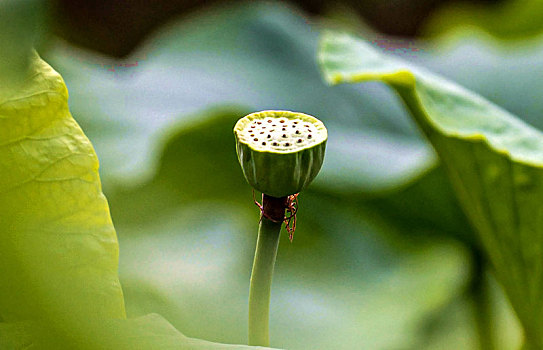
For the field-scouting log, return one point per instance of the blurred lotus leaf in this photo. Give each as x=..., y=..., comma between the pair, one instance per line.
x=493, y=160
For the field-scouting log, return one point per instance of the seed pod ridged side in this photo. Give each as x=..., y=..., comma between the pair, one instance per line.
x=280, y=152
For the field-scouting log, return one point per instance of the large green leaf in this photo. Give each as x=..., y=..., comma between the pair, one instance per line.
x=58, y=248
x=149, y=332
x=494, y=162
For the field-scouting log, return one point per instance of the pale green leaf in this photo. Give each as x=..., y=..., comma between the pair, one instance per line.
x=494, y=161
x=149, y=332
x=58, y=247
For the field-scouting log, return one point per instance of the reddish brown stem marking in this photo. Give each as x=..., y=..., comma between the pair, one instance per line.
x=274, y=208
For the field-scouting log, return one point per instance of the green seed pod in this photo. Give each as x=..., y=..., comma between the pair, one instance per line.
x=280, y=152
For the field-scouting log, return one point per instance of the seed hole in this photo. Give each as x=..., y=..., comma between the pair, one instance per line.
x=287, y=144
x=275, y=144
x=293, y=126
x=284, y=135
x=261, y=132
x=256, y=139
x=259, y=123
x=252, y=135
x=252, y=126
x=300, y=140
x=263, y=143
x=284, y=129
x=274, y=124
x=269, y=136
x=297, y=132
x=309, y=136
x=281, y=121
x=295, y=122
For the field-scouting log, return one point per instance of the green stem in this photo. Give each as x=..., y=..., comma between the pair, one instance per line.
x=261, y=276
x=481, y=299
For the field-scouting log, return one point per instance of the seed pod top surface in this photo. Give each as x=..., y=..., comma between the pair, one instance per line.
x=280, y=131
x=280, y=152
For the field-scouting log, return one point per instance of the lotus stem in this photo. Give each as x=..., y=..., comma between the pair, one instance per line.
x=263, y=266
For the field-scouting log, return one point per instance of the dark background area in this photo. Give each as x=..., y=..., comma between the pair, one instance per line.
x=116, y=27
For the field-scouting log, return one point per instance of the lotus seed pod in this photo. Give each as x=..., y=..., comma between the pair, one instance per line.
x=280, y=152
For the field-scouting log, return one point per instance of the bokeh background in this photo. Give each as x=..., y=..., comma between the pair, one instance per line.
x=383, y=257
